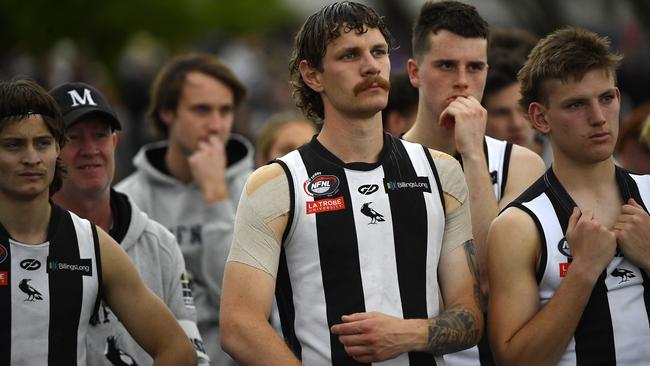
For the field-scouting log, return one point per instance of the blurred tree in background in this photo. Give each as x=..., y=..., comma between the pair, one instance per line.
x=102, y=28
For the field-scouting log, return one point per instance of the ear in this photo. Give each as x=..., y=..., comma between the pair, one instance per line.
x=167, y=116
x=114, y=139
x=311, y=76
x=412, y=69
x=537, y=117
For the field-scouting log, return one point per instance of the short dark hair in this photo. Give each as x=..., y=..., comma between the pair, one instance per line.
x=168, y=85
x=517, y=42
x=311, y=43
x=453, y=16
x=503, y=70
x=566, y=54
x=403, y=96
x=20, y=99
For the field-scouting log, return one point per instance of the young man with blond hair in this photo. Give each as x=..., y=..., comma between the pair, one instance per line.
x=569, y=260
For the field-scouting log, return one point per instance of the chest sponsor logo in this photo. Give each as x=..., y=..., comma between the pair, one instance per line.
x=30, y=264
x=32, y=293
x=564, y=267
x=368, y=189
x=624, y=274
x=374, y=216
x=81, y=266
x=321, y=185
x=3, y=253
x=4, y=278
x=418, y=184
x=325, y=205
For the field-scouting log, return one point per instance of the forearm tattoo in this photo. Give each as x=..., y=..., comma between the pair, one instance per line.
x=472, y=263
x=457, y=328
x=453, y=330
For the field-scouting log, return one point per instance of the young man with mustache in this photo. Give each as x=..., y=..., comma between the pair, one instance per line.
x=450, y=45
x=364, y=235
x=569, y=259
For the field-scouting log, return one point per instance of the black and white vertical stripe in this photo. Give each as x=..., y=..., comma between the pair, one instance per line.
x=614, y=328
x=337, y=262
x=497, y=156
x=50, y=330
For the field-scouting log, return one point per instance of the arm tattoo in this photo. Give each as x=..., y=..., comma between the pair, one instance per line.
x=472, y=263
x=453, y=330
x=456, y=328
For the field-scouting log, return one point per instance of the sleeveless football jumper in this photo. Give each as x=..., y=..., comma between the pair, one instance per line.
x=614, y=327
x=361, y=237
x=48, y=292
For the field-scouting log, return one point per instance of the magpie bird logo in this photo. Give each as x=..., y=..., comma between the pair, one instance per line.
x=624, y=274
x=375, y=216
x=116, y=356
x=32, y=293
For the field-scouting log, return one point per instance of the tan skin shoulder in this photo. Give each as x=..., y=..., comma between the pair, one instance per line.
x=257, y=179
x=451, y=203
x=263, y=175
x=515, y=232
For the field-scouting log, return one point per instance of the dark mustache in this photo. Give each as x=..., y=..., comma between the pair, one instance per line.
x=367, y=83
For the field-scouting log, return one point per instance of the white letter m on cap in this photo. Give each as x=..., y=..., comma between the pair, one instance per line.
x=77, y=99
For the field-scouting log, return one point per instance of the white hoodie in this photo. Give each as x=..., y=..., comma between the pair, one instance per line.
x=204, y=232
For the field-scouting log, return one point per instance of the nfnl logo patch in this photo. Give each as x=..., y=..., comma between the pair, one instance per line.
x=321, y=185
x=3, y=253
x=327, y=204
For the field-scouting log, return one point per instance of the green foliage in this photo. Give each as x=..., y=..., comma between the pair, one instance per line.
x=101, y=28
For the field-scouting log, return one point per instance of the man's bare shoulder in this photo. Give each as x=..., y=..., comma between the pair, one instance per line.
x=515, y=232
x=526, y=158
x=262, y=176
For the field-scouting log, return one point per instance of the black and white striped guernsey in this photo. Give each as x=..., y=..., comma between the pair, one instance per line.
x=614, y=327
x=48, y=292
x=497, y=156
x=361, y=237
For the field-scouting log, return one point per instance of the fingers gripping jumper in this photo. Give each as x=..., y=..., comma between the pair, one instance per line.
x=254, y=242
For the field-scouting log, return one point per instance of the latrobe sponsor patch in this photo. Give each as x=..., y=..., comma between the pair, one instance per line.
x=419, y=184
x=4, y=278
x=80, y=266
x=564, y=267
x=325, y=205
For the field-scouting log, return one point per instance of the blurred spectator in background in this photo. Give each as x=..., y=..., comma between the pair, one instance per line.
x=281, y=134
x=191, y=181
x=632, y=150
x=506, y=121
x=399, y=115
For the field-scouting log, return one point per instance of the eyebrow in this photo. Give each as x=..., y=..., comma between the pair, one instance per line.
x=582, y=98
